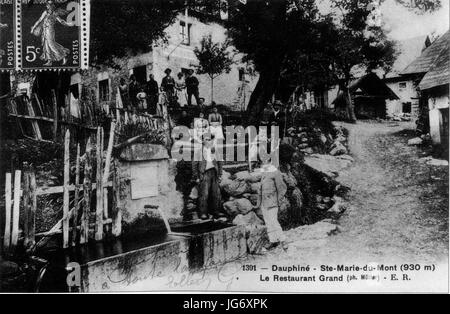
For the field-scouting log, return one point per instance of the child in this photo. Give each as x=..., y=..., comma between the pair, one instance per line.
x=272, y=190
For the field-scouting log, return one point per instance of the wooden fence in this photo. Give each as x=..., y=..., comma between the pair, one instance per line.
x=80, y=223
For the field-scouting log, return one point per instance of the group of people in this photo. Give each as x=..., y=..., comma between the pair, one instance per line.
x=144, y=97
x=207, y=175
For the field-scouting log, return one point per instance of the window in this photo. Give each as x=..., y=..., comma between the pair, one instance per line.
x=141, y=74
x=103, y=90
x=241, y=74
x=402, y=85
x=185, y=33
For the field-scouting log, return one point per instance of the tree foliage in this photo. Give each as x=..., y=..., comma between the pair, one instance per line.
x=214, y=58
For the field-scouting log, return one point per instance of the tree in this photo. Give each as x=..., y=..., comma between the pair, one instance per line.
x=357, y=42
x=214, y=59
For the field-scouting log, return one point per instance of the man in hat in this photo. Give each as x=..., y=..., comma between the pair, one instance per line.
x=206, y=172
x=277, y=118
x=152, y=94
x=168, y=85
x=192, y=88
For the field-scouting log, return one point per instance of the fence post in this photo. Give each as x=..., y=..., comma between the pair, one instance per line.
x=87, y=190
x=65, y=224
x=76, y=198
x=8, y=206
x=107, y=171
x=116, y=211
x=99, y=192
x=30, y=223
x=16, y=209
x=26, y=204
x=55, y=115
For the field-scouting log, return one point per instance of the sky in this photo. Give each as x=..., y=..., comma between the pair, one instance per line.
x=402, y=23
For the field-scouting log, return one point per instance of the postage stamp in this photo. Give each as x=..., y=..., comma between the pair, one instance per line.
x=51, y=33
x=7, y=32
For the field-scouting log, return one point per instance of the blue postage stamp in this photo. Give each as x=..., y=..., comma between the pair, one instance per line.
x=51, y=34
x=7, y=35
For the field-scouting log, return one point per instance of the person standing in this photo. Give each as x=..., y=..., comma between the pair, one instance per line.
x=271, y=192
x=168, y=85
x=192, y=84
x=133, y=90
x=152, y=94
x=123, y=90
x=277, y=118
x=215, y=123
x=201, y=127
x=142, y=100
x=180, y=85
x=207, y=173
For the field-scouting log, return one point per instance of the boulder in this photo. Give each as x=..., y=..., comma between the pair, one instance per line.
x=238, y=206
x=255, y=188
x=289, y=179
x=339, y=206
x=253, y=198
x=438, y=163
x=415, y=141
x=225, y=175
x=234, y=188
x=338, y=149
x=251, y=177
x=249, y=219
x=323, y=138
x=308, y=150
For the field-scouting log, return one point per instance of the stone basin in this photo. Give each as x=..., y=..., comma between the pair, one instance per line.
x=118, y=264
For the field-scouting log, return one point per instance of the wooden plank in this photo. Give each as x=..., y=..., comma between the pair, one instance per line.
x=60, y=189
x=8, y=206
x=55, y=115
x=27, y=117
x=106, y=172
x=13, y=108
x=76, y=198
x=35, y=125
x=116, y=210
x=16, y=208
x=87, y=185
x=33, y=208
x=66, y=190
x=26, y=203
x=99, y=178
x=58, y=230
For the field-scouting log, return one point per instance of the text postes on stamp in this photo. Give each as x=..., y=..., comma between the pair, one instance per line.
x=7, y=35
x=51, y=32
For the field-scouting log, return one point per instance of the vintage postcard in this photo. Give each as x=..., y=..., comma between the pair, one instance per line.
x=257, y=146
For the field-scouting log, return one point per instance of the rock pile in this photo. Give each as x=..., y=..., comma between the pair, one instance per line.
x=309, y=140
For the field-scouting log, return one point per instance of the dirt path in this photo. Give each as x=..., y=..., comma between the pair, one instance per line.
x=399, y=206
x=398, y=214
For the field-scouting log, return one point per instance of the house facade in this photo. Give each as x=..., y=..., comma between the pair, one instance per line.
x=433, y=68
x=405, y=86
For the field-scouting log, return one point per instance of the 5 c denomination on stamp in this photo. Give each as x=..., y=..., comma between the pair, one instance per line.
x=51, y=34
